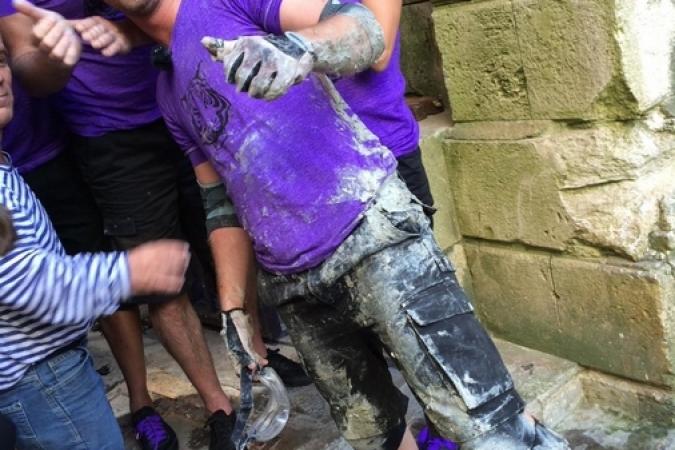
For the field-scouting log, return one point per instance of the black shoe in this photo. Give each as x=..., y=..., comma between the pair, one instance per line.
x=152, y=433
x=221, y=426
x=290, y=372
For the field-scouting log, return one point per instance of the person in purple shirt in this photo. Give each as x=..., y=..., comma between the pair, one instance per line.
x=346, y=251
x=36, y=138
x=48, y=301
x=37, y=142
x=109, y=104
x=376, y=95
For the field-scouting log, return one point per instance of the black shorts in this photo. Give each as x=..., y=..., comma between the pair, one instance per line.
x=132, y=175
x=59, y=186
x=119, y=190
x=144, y=188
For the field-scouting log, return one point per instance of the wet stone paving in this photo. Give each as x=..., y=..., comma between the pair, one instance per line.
x=310, y=426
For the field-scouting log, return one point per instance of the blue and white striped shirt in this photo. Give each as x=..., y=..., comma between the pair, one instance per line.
x=47, y=299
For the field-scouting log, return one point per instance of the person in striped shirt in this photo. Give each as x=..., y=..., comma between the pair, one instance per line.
x=49, y=389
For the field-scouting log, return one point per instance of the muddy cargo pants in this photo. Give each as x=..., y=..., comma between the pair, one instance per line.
x=390, y=287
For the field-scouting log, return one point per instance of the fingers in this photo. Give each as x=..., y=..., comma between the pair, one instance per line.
x=72, y=54
x=159, y=267
x=94, y=32
x=218, y=48
x=30, y=10
x=280, y=85
x=246, y=73
x=102, y=35
x=231, y=64
x=54, y=34
x=85, y=25
x=177, y=257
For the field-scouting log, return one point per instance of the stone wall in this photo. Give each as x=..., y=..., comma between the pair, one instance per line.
x=560, y=171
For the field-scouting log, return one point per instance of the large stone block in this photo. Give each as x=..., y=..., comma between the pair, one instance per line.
x=446, y=228
x=636, y=401
x=481, y=60
x=513, y=294
x=564, y=59
x=613, y=318
x=645, y=33
x=570, y=59
x=603, y=187
x=508, y=192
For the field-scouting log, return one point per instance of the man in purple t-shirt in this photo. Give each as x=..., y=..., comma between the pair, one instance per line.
x=346, y=251
x=110, y=104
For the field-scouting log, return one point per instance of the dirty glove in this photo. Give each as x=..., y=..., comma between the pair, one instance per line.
x=238, y=333
x=264, y=66
x=7, y=234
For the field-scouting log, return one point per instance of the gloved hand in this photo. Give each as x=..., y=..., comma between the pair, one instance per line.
x=7, y=234
x=264, y=66
x=238, y=333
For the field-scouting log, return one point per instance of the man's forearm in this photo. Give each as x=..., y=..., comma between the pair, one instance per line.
x=235, y=267
x=347, y=42
x=39, y=75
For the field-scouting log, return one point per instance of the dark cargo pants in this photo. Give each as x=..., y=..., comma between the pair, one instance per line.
x=389, y=286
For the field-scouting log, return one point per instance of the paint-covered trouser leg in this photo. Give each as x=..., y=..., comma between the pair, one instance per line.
x=390, y=286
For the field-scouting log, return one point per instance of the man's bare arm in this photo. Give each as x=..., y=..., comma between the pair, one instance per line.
x=299, y=14
x=388, y=14
x=43, y=48
x=235, y=271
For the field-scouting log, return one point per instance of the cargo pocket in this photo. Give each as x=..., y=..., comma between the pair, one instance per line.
x=457, y=343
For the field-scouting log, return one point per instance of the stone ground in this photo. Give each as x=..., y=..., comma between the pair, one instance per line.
x=549, y=384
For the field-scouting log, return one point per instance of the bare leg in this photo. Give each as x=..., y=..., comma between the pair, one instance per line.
x=180, y=331
x=122, y=330
x=408, y=442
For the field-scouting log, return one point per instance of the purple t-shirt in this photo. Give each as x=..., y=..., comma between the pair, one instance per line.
x=35, y=135
x=105, y=94
x=6, y=8
x=378, y=99
x=300, y=170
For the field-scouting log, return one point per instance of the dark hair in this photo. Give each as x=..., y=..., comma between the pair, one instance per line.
x=7, y=234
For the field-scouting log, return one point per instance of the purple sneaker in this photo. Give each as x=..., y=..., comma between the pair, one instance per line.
x=152, y=433
x=427, y=441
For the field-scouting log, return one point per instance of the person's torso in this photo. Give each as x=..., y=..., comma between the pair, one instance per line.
x=24, y=340
x=35, y=135
x=300, y=169
x=378, y=99
x=105, y=93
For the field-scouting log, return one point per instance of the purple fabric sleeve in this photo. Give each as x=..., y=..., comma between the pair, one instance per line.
x=264, y=13
x=6, y=8
x=167, y=108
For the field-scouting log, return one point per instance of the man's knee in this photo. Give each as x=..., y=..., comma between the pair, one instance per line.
x=174, y=308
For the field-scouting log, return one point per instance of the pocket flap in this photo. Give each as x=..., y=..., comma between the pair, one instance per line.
x=438, y=302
